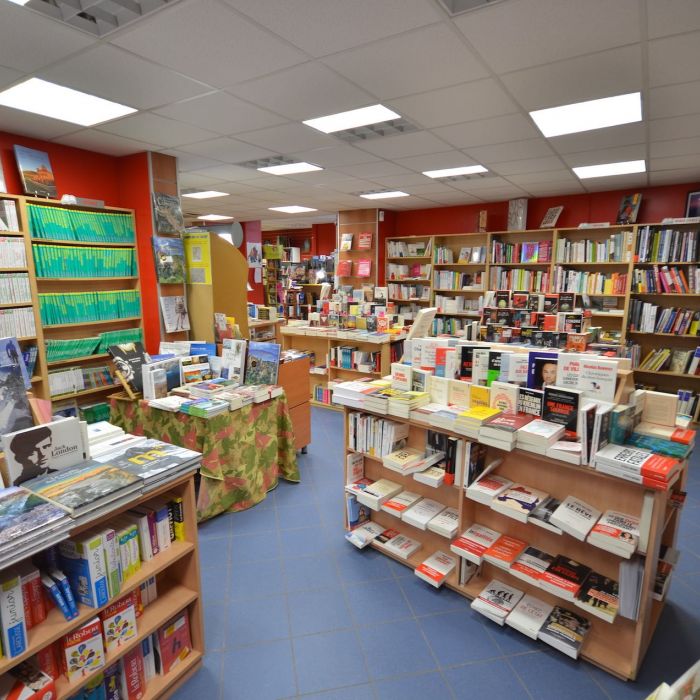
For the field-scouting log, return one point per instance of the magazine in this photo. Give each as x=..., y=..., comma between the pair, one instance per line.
x=175, y=316
x=262, y=363
x=169, y=255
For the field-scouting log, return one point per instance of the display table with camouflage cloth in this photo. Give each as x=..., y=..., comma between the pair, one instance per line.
x=244, y=452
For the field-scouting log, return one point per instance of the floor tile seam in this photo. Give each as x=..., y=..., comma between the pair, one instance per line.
x=588, y=668
x=519, y=678
x=291, y=643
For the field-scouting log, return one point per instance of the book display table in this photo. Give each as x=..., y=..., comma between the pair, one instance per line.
x=244, y=452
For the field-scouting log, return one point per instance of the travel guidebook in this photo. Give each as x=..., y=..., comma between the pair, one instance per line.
x=36, y=173
x=175, y=316
x=11, y=356
x=262, y=363
x=169, y=254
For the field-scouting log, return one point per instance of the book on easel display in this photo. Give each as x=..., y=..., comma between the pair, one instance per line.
x=129, y=359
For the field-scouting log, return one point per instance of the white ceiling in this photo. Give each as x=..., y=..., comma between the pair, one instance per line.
x=219, y=82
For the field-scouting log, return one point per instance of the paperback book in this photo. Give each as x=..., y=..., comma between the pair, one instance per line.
x=600, y=596
x=497, y=601
x=129, y=359
x=565, y=630
x=262, y=363
x=529, y=615
x=436, y=568
x=575, y=517
x=169, y=255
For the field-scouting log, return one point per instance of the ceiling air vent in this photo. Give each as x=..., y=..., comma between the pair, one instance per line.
x=472, y=176
x=267, y=162
x=459, y=7
x=393, y=127
x=98, y=17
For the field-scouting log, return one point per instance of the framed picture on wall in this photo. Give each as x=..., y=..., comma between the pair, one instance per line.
x=692, y=205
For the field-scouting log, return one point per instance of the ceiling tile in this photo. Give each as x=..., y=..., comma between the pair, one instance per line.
x=666, y=18
x=551, y=177
x=8, y=76
x=607, y=155
x=436, y=161
x=287, y=138
x=326, y=26
x=455, y=200
x=104, y=143
x=117, y=75
x=514, y=35
x=480, y=185
x=458, y=103
x=483, y=132
x=674, y=100
x=208, y=41
x=397, y=66
x=369, y=171
x=672, y=177
x=304, y=91
x=516, y=150
x=415, y=144
x=624, y=135
x=15, y=121
x=190, y=161
x=221, y=113
x=196, y=180
x=151, y=128
x=674, y=59
x=500, y=193
x=399, y=181
x=528, y=165
x=335, y=156
x=602, y=184
x=676, y=147
x=430, y=189
x=614, y=72
x=228, y=150
x=673, y=162
x=31, y=41
x=674, y=127
x=540, y=190
x=228, y=173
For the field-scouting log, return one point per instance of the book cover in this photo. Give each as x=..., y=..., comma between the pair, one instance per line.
x=24, y=514
x=518, y=501
x=11, y=357
x=565, y=630
x=168, y=213
x=129, y=359
x=262, y=363
x=151, y=458
x=346, y=241
x=561, y=407
x=497, y=600
x=83, y=650
x=12, y=625
x=133, y=675
x=83, y=561
x=36, y=172
x=173, y=642
x=504, y=551
x=504, y=397
x=600, y=596
x=551, y=217
x=44, y=449
x=629, y=208
x=474, y=541
x=364, y=240
x=363, y=268
x=26, y=682
x=119, y=621
x=575, y=517
x=530, y=401
x=542, y=371
x=175, y=315
x=564, y=577
x=529, y=615
x=15, y=411
x=436, y=568
x=542, y=515
x=169, y=256
x=531, y=564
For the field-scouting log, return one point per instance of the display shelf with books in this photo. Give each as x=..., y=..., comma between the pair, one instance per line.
x=357, y=248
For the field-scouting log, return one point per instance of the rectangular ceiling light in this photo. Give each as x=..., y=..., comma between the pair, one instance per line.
x=384, y=195
x=294, y=209
x=58, y=102
x=607, y=169
x=290, y=168
x=214, y=217
x=205, y=194
x=453, y=172
x=19, y=2
x=586, y=116
x=374, y=114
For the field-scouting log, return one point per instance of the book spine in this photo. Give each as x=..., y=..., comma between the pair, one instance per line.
x=14, y=631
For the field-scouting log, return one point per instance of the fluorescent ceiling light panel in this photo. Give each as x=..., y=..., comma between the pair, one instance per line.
x=214, y=217
x=290, y=168
x=384, y=195
x=294, y=209
x=205, y=194
x=607, y=169
x=374, y=114
x=586, y=116
x=452, y=172
x=58, y=102
x=19, y=2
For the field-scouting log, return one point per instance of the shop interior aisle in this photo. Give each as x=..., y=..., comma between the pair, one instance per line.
x=293, y=610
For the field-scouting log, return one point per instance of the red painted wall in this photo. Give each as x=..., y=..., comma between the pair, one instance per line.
x=324, y=235
x=252, y=233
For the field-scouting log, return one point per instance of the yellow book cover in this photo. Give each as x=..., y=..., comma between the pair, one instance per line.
x=480, y=396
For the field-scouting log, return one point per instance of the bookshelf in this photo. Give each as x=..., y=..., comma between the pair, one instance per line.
x=356, y=222
x=178, y=583
x=617, y=648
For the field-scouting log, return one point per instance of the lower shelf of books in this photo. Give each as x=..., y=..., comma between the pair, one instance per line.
x=162, y=686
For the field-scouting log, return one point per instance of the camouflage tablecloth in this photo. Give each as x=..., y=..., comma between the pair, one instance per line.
x=244, y=451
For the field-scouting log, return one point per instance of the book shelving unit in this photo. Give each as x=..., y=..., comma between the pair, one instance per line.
x=617, y=647
x=42, y=284
x=356, y=222
x=178, y=585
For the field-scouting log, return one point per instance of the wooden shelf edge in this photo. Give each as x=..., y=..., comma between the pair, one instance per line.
x=85, y=392
x=159, y=685
x=77, y=324
x=82, y=358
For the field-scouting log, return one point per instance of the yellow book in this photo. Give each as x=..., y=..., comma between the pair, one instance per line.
x=480, y=397
x=480, y=413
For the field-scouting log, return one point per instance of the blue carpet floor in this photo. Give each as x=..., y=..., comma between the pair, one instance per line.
x=293, y=610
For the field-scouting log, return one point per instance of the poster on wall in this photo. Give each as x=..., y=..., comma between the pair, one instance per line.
x=168, y=213
x=169, y=255
x=254, y=253
x=35, y=171
x=175, y=316
x=197, y=257
x=3, y=186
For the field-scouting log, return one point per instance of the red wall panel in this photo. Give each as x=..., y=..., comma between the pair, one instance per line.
x=252, y=233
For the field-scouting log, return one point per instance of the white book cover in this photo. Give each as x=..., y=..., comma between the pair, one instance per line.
x=458, y=393
x=504, y=397
x=497, y=600
x=416, y=350
x=401, y=376
x=422, y=513
x=436, y=568
x=565, y=451
x=487, y=488
x=514, y=368
x=233, y=359
x=398, y=504
x=474, y=541
x=375, y=494
x=518, y=501
x=402, y=546
x=529, y=615
x=433, y=476
x=361, y=536
x=539, y=432
x=439, y=388
x=594, y=376
x=575, y=517
x=445, y=523
x=428, y=348
x=480, y=366
x=616, y=531
x=355, y=467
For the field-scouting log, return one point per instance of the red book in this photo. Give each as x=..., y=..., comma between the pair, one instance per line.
x=363, y=268
x=504, y=551
x=509, y=421
x=344, y=268
x=133, y=677
x=550, y=322
x=660, y=468
x=682, y=435
x=47, y=660
x=365, y=240
x=564, y=577
x=173, y=642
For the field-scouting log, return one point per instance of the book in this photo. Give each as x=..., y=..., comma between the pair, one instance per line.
x=530, y=401
x=485, y=489
x=422, y=512
x=173, y=642
x=528, y=616
x=129, y=359
x=433, y=476
x=11, y=357
x=595, y=377
x=530, y=565
x=12, y=625
x=474, y=541
x=401, y=376
x=175, y=315
x=167, y=213
x=504, y=397
x=364, y=240
x=83, y=650
x=436, y=568
x=542, y=515
x=83, y=561
x=518, y=501
x=346, y=241
x=616, y=532
x=132, y=675
x=363, y=534
x=401, y=502
x=575, y=517
x=262, y=363
x=15, y=412
x=376, y=493
x=119, y=622
x=551, y=217
x=445, y=523
x=565, y=630
x=564, y=577
x=44, y=449
x=35, y=172
x=542, y=370
x=169, y=256
x=561, y=406
x=629, y=208
x=397, y=544
x=496, y=601
x=26, y=682
x=599, y=596
x=504, y=551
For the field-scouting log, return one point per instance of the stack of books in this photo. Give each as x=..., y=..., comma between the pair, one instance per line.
x=641, y=466
x=211, y=388
x=409, y=460
x=469, y=422
x=501, y=430
x=205, y=408
x=538, y=435
x=497, y=601
x=401, y=403
x=354, y=393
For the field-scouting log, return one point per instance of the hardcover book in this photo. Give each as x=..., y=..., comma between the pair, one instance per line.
x=262, y=363
x=169, y=255
x=168, y=213
x=129, y=359
x=15, y=412
x=629, y=208
x=36, y=172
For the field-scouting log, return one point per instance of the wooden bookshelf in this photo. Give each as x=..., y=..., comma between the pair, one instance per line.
x=617, y=648
x=178, y=584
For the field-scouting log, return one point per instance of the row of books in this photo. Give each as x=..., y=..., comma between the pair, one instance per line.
x=74, y=379
x=666, y=280
x=358, y=268
x=583, y=282
x=350, y=357
x=17, y=322
x=526, y=252
x=467, y=255
x=457, y=304
x=12, y=252
x=407, y=311
x=14, y=287
x=455, y=326
x=616, y=248
x=83, y=261
x=532, y=301
x=666, y=245
x=405, y=249
x=447, y=279
x=69, y=348
x=57, y=223
x=519, y=278
x=677, y=360
x=8, y=215
x=322, y=394
x=645, y=317
x=76, y=307
x=396, y=271
x=408, y=291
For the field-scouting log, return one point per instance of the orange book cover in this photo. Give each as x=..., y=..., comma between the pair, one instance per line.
x=506, y=549
x=660, y=468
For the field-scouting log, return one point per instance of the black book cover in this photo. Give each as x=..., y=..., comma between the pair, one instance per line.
x=567, y=301
x=530, y=401
x=503, y=299
x=436, y=442
x=561, y=407
x=129, y=359
x=573, y=323
x=599, y=591
x=477, y=461
x=551, y=303
x=533, y=302
x=467, y=362
x=504, y=317
x=567, y=627
x=568, y=570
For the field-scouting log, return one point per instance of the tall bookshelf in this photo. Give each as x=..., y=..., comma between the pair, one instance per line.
x=356, y=222
x=73, y=282
x=618, y=648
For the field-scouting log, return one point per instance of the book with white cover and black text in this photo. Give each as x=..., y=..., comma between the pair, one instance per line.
x=497, y=600
x=529, y=615
x=436, y=568
x=575, y=517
